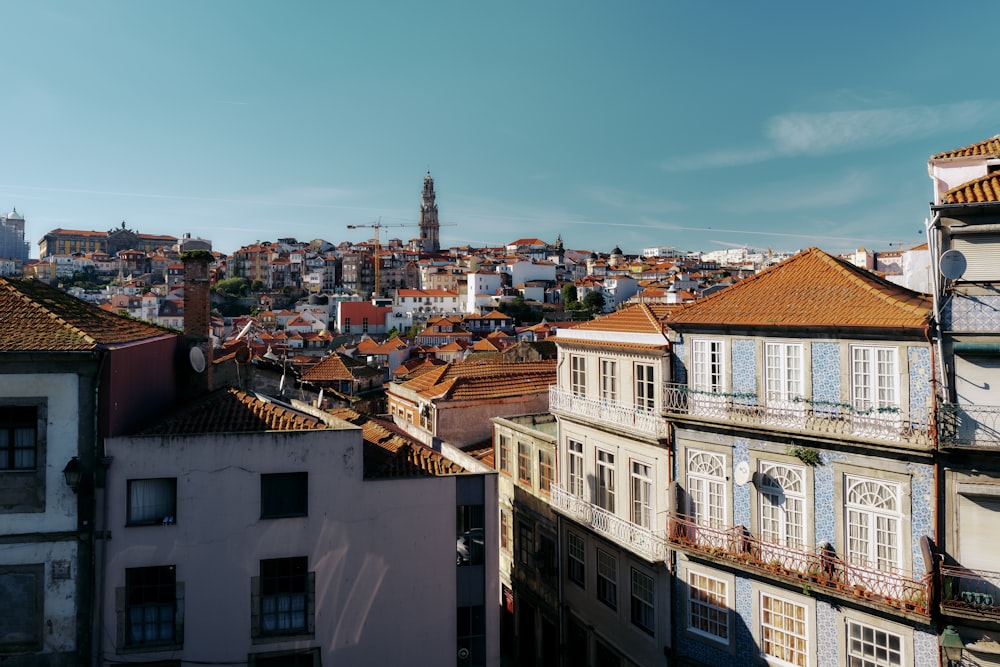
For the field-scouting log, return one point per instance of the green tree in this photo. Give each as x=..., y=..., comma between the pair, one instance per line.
x=257, y=286
x=594, y=301
x=568, y=293
x=232, y=286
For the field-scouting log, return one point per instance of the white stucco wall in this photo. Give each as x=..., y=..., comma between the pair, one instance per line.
x=383, y=552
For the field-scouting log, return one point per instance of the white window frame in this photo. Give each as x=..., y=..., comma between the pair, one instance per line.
x=784, y=381
x=708, y=367
x=645, y=387
x=641, y=474
x=775, y=639
x=604, y=480
x=609, y=380
x=875, y=389
x=872, y=524
x=607, y=578
x=871, y=645
x=707, y=492
x=708, y=606
x=642, y=603
x=781, y=511
x=578, y=375
x=576, y=552
x=575, y=468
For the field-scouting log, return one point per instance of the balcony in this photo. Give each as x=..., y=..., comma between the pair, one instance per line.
x=820, y=418
x=969, y=426
x=970, y=593
x=646, y=543
x=817, y=569
x=643, y=423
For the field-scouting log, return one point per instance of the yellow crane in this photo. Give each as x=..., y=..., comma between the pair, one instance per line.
x=377, y=226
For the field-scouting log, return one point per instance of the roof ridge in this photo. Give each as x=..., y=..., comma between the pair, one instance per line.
x=866, y=281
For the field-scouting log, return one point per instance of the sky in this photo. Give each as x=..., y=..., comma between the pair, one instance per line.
x=697, y=125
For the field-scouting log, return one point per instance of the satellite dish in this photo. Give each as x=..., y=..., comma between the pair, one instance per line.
x=197, y=358
x=952, y=264
x=742, y=473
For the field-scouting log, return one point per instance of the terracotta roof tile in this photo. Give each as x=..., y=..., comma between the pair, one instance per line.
x=337, y=367
x=811, y=289
x=233, y=411
x=985, y=189
x=37, y=317
x=989, y=146
x=486, y=377
x=639, y=318
x=390, y=453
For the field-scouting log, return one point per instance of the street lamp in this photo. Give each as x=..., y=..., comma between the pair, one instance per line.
x=951, y=645
x=72, y=474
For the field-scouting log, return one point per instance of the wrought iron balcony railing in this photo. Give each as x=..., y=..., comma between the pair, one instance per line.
x=969, y=426
x=645, y=422
x=968, y=590
x=646, y=543
x=824, y=418
x=817, y=568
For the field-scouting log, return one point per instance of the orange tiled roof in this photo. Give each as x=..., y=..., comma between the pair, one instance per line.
x=233, y=411
x=390, y=453
x=639, y=318
x=990, y=146
x=337, y=367
x=811, y=289
x=37, y=317
x=488, y=378
x=985, y=189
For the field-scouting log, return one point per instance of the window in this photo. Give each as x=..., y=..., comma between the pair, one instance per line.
x=152, y=501
x=576, y=559
x=642, y=494
x=503, y=453
x=18, y=426
x=364, y=325
x=781, y=490
x=284, y=495
x=523, y=463
x=874, y=388
x=873, y=523
x=283, y=598
x=605, y=480
x=152, y=608
x=470, y=534
x=783, y=630
x=472, y=635
x=645, y=388
x=525, y=543
x=506, y=531
x=347, y=325
x=546, y=470
x=706, y=491
x=21, y=607
x=609, y=380
x=607, y=579
x=783, y=374
x=707, y=371
x=575, y=468
x=708, y=606
x=546, y=557
x=578, y=375
x=871, y=647
x=643, y=601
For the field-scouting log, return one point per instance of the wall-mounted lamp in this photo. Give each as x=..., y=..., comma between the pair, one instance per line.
x=72, y=474
x=951, y=645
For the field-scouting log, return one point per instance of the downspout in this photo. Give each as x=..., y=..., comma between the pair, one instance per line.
x=98, y=650
x=933, y=243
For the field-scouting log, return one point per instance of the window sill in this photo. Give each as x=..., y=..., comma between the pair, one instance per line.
x=150, y=648
x=274, y=639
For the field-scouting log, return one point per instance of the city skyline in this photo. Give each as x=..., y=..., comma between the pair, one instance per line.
x=697, y=127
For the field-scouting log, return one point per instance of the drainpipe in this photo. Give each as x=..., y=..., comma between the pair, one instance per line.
x=933, y=244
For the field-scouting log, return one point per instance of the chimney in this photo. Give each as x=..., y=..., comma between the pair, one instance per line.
x=197, y=316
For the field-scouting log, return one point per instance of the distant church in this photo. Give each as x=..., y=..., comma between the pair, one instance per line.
x=429, y=228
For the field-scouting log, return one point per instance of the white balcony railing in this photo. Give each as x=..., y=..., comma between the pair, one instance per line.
x=646, y=543
x=646, y=422
x=819, y=417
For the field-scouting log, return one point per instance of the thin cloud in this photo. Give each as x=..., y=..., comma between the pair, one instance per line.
x=622, y=199
x=826, y=133
x=846, y=190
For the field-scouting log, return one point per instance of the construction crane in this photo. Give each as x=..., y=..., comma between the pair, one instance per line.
x=377, y=226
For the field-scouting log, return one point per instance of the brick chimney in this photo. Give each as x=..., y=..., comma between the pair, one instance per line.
x=197, y=308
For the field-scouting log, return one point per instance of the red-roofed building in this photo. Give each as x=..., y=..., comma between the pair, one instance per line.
x=362, y=317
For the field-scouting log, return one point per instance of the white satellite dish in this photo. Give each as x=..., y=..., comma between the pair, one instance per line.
x=197, y=358
x=742, y=473
x=953, y=264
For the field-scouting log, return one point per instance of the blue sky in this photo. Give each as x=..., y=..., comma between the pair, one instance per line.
x=686, y=123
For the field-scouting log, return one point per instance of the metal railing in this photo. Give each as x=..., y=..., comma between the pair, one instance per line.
x=820, y=417
x=646, y=422
x=975, y=426
x=817, y=568
x=647, y=543
x=970, y=590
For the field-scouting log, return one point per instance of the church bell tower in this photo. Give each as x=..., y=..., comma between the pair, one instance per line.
x=429, y=228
